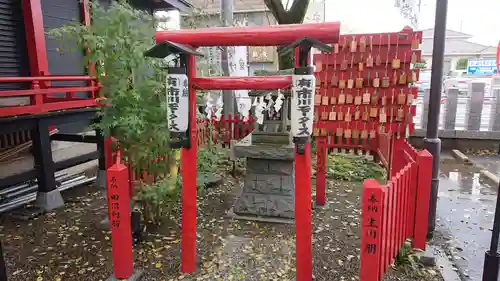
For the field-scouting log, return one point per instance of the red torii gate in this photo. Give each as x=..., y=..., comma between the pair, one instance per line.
x=249, y=36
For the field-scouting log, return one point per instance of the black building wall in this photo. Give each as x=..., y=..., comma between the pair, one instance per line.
x=13, y=53
x=57, y=13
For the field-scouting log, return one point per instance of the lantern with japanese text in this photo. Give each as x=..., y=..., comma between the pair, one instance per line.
x=303, y=87
x=177, y=100
x=177, y=90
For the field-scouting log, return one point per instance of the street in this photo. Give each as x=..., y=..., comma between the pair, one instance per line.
x=466, y=207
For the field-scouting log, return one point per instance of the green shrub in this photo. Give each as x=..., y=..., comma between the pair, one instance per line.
x=353, y=168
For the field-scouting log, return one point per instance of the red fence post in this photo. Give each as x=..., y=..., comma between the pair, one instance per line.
x=424, y=163
x=321, y=159
x=236, y=128
x=412, y=198
x=119, y=215
x=108, y=152
x=385, y=243
x=371, y=226
x=222, y=129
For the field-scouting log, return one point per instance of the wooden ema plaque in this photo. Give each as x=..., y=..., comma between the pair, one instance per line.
x=366, y=86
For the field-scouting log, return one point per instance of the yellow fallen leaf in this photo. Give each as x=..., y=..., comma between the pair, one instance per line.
x=158, y=265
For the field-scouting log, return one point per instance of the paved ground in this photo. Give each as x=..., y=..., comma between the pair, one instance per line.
x=465, y=215
x=69, y=245
x=489, y=162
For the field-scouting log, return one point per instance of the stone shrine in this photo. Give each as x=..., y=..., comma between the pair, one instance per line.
x=268, y=189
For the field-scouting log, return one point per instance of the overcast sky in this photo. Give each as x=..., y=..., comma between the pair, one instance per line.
x=477, y=17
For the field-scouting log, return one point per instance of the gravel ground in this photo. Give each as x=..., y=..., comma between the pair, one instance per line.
x=68, y=244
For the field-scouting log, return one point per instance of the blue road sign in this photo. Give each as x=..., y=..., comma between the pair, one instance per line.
x=485, y=66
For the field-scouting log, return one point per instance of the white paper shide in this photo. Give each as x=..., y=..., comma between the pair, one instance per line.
x=302, y=106
x=177, y=102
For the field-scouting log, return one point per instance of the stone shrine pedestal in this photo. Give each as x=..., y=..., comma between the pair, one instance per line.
x=268, y=191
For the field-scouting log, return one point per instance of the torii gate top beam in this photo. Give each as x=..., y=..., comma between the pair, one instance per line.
x=272, y=35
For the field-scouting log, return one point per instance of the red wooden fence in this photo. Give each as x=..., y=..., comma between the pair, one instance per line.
x=389, y=212
x=229, y=128
x=42, y=94
x=214, y=131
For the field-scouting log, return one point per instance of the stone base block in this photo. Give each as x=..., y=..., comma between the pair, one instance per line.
x=320, y=207
x=268, y=189
x=267, y=205
x=49, y=201
x=428, y=258
x=231, y=214
x=136, y=276
x=105, y=223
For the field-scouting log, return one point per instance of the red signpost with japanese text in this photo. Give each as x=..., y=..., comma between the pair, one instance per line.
x=118, y=190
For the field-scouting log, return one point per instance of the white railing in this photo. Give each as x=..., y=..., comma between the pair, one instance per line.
x=477, y=111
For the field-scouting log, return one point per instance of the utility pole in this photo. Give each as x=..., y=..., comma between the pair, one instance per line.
x=432, y=142
x=492, y=258
x=226, y=9
x=3, y=271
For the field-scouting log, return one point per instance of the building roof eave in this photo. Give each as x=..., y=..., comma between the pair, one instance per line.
x=182, y=5
x=462, y=54
x=235, y=12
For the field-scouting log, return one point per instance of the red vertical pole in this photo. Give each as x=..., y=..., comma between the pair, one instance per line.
x=303, y=208
x=188, y=170
x=303, y=212
x=424, y=163
x=35, y=42
x=222, y=129
x=321, y=158
x=119, y=214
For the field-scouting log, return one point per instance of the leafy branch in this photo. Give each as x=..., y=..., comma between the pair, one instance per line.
x=132, y=85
